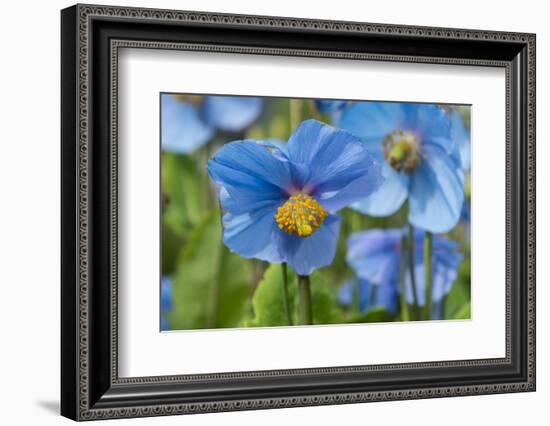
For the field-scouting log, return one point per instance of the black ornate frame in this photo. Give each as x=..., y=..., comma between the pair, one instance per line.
x=91, y=38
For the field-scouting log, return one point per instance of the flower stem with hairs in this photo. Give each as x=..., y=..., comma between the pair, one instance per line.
x=428, y=274
x=285, y=293
x=305, y=314
x=411, y=271
x=405, y=316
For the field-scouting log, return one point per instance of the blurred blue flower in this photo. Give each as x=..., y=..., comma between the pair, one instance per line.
x=466, y=213
x=375, y=255
x=188, y=122
x=461, y=137
x=369, y=295
x=328, y=106
x=280, y=199
x=166, y=301
x=465, y=219
x=419, y=161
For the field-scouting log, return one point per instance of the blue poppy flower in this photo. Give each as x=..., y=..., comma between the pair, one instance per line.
x=188, y=121
x=375, y=255
x=461, y=137
x=369, y=295
x=280, y=199
x=329, y=106
x=419, y=161
x=166, y=301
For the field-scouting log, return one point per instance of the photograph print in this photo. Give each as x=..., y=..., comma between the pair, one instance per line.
x=282, y=212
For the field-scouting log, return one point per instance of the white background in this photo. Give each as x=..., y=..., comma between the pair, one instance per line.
x=29, y=225
x=146, y=352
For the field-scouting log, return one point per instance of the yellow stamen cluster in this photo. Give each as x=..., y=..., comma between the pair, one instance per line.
x=300, y=215
x=193, y=99
x=401, y=150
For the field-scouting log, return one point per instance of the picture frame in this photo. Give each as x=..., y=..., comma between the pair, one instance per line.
x=91, y=37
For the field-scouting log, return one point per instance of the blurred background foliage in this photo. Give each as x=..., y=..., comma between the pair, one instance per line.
x=210, y=287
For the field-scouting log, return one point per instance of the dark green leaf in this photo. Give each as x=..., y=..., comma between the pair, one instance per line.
x=460, y=292
x=325, y=306
x=463, y=312
x=268, y=300
x=375, y=314
x=182, y=189
x=268, y=305
x=210, y=284
x=172, y=242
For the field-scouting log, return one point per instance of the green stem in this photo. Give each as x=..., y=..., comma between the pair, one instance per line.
x=411, y=271
x=212, y=319
x=313, y=111
x=304, y=300
x=428, y=274
x=405, y=316
x=356, y=299
x=285, y=293
x=203, y=155
x=356, y=225
x=295, y=112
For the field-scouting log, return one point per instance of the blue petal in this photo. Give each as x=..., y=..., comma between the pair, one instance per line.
x=389, y=197
x=371, y=122
x=328, y=106
x=346, y=293
x=386, y=296
x=437, y=310
x=166, y=301
x=231, y=113
x=253, y=235
x=466, y=214
x=277, y=147
x=369, y=295
x=443, y=278
x=430, y=124
x=164, y=324
x=461, y=137
x=306, y=140
x=445, y=262
x=250, y=173
x=419, y=284
x=342, y=171
x=375, y=255
x=166, y=294
x=436, y=196
x=253, y=203
x=304, y=255
x=182, y=131
x=331, y=165
x=365, y=292
x=369, y=183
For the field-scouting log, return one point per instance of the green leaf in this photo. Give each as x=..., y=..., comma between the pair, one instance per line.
x=375, y=314
x=268, y=305
x=460, y=292
x=182, y=187
x=172, y=242
x=463, y=312
x=210, y=283
x=325, y=307
x=268, y=300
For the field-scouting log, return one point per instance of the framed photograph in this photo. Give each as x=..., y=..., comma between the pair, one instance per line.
x=263, y=212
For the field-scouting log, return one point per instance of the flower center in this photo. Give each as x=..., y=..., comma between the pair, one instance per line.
x=192, y=99
x=401, y=151
x=300, y=215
